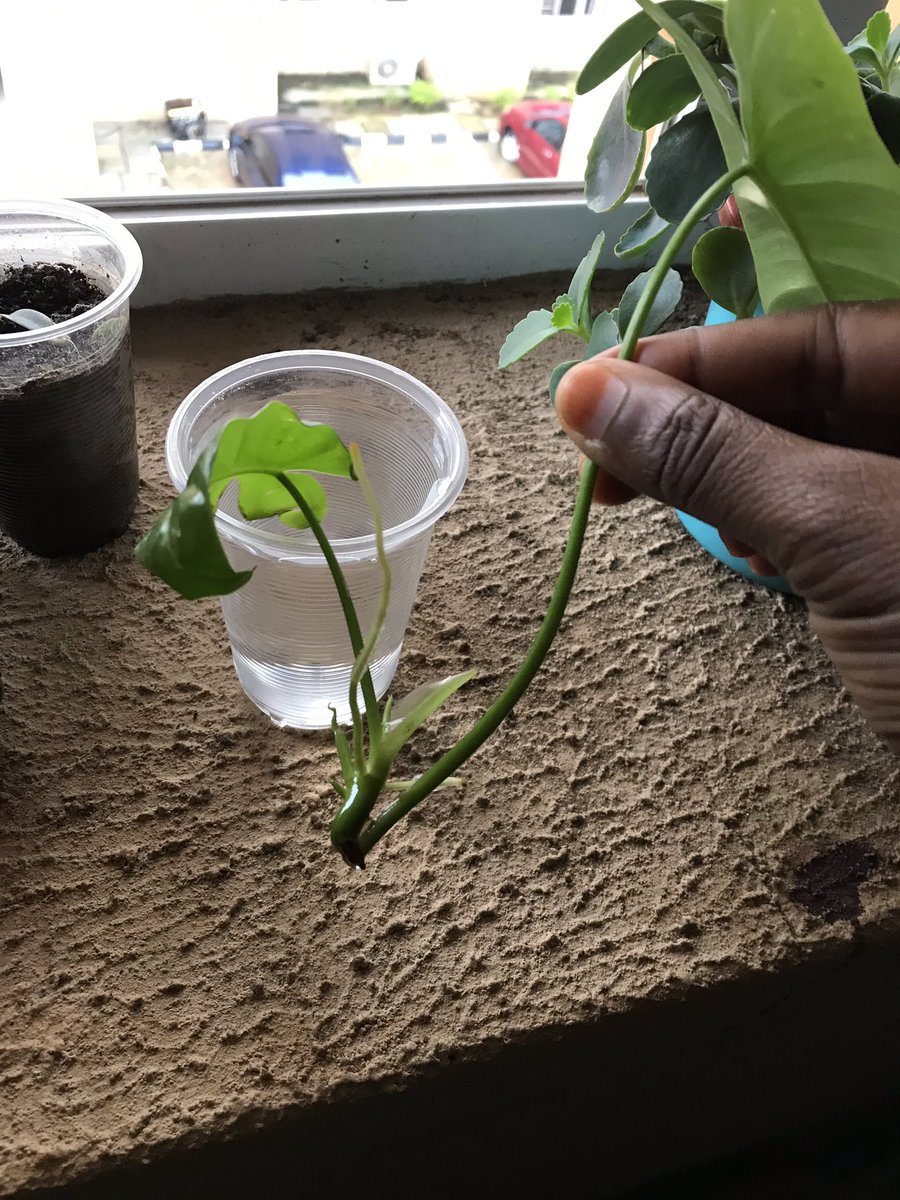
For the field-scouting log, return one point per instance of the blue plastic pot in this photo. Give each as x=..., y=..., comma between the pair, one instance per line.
x=706, y=535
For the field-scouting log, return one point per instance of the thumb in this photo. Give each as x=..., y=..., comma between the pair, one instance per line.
x=773, y=490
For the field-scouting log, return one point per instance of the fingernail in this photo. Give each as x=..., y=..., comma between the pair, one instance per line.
x=587, y=402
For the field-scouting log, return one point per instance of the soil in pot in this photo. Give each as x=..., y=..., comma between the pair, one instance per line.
x=68, y=446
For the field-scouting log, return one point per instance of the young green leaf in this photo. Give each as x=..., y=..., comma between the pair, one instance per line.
x=661, y=91
x=263, y=496
x=604, y=335
x=717, y=99
x=556, y=375
x=183, y=549
x=529, y=333
x=413, y=710
x=615, y=158
x=878, y=31
x=724, y=267
x=644, y=233
x=626, y=41
x=275, y=439
x=580, y=287
x=868, y=60
x=685, y=163
x=342, y=746
x=663, y=306
x=893, y=46
x=563, y=315
x=822, y=224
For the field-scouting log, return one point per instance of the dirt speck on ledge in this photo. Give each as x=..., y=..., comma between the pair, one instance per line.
x=181, y=953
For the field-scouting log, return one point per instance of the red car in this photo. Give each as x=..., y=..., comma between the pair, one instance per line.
x=532, y=134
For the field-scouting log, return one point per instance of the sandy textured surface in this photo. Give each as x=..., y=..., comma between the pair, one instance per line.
x=182, y=955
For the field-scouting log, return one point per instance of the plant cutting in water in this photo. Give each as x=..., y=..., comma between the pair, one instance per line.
x=787, y=120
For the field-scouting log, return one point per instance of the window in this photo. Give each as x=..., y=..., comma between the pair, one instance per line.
x=412, y=91
x=551, y=131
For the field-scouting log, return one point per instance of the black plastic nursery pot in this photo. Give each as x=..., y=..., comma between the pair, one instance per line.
x=68, y=440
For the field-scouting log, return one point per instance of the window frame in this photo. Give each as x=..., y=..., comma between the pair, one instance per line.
x=249, y=242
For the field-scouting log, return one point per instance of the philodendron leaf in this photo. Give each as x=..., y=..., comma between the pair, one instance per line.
x=663, y=306
x=529, y=333
x=644, y=233
x=580, y=287
x=563, y=315
x=556, y=375
x=604, y=335
x=717, y=99
x=725, y=270
x=413, y=710
x=183, y=548
x=661, y=91
x=884, y=109
x=615, y=158
x=821, y=207
x=686, y=162
x=628, y=40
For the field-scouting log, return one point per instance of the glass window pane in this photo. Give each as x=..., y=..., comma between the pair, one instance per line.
x=148, y=97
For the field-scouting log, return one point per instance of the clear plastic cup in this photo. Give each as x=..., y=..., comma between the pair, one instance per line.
x=68, y=442
x=288, y=638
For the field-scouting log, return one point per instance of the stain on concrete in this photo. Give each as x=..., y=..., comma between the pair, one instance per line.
x=828, y=885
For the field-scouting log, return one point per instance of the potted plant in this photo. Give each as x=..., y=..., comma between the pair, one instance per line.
x=819, y=211
x=68, y=444
x=699, y=143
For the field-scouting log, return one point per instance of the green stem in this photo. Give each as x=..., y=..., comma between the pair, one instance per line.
x=347, y=607
x=670, y=252
x=507, y=700
x=362, y=659
x=504, y=704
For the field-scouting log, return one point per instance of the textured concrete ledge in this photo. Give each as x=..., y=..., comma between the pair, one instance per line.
x=659, y=922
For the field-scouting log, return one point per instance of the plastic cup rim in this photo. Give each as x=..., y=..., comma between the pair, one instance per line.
x=114, y=231
x=283, y=546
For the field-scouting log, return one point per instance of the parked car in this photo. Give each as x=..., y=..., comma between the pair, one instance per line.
x=532, y=134
x=288, y=152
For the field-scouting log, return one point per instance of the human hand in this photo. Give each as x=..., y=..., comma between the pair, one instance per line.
x=784, y=432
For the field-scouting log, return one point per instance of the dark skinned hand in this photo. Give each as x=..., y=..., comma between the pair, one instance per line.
x=784, y=432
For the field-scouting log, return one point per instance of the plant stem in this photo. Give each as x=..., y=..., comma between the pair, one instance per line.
x=670, y=252
x=365, y=654
x=506, y=701
x=347, y=607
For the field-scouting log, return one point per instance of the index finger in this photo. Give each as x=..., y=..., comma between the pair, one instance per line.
x=836, y=358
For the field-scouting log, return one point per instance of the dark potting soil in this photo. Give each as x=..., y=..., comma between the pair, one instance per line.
x=68, y=442
x=54, y=289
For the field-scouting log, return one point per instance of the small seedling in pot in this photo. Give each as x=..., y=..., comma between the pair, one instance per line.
x=820, y=219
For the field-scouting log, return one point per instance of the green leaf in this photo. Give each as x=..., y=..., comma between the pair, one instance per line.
x=869, y=59
x=884, y=109
x=821, y=208
x=878, y=31
x=893, y=47
x=661, y=91
x=413, y=710
x=663, y=306
x=183, y=549
x=556, y=375
x=563, y=315
x=342, y=746
x=604, y=335
x=615, y=158
x=724, y=267
x=580, y=287
x=626, y=41
x=717, y=99
x=658, y=47
x=275, y=439
x=686, y=162
x=639, y=237
x=528, y=334
x=263, y=496
x=314, y=495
